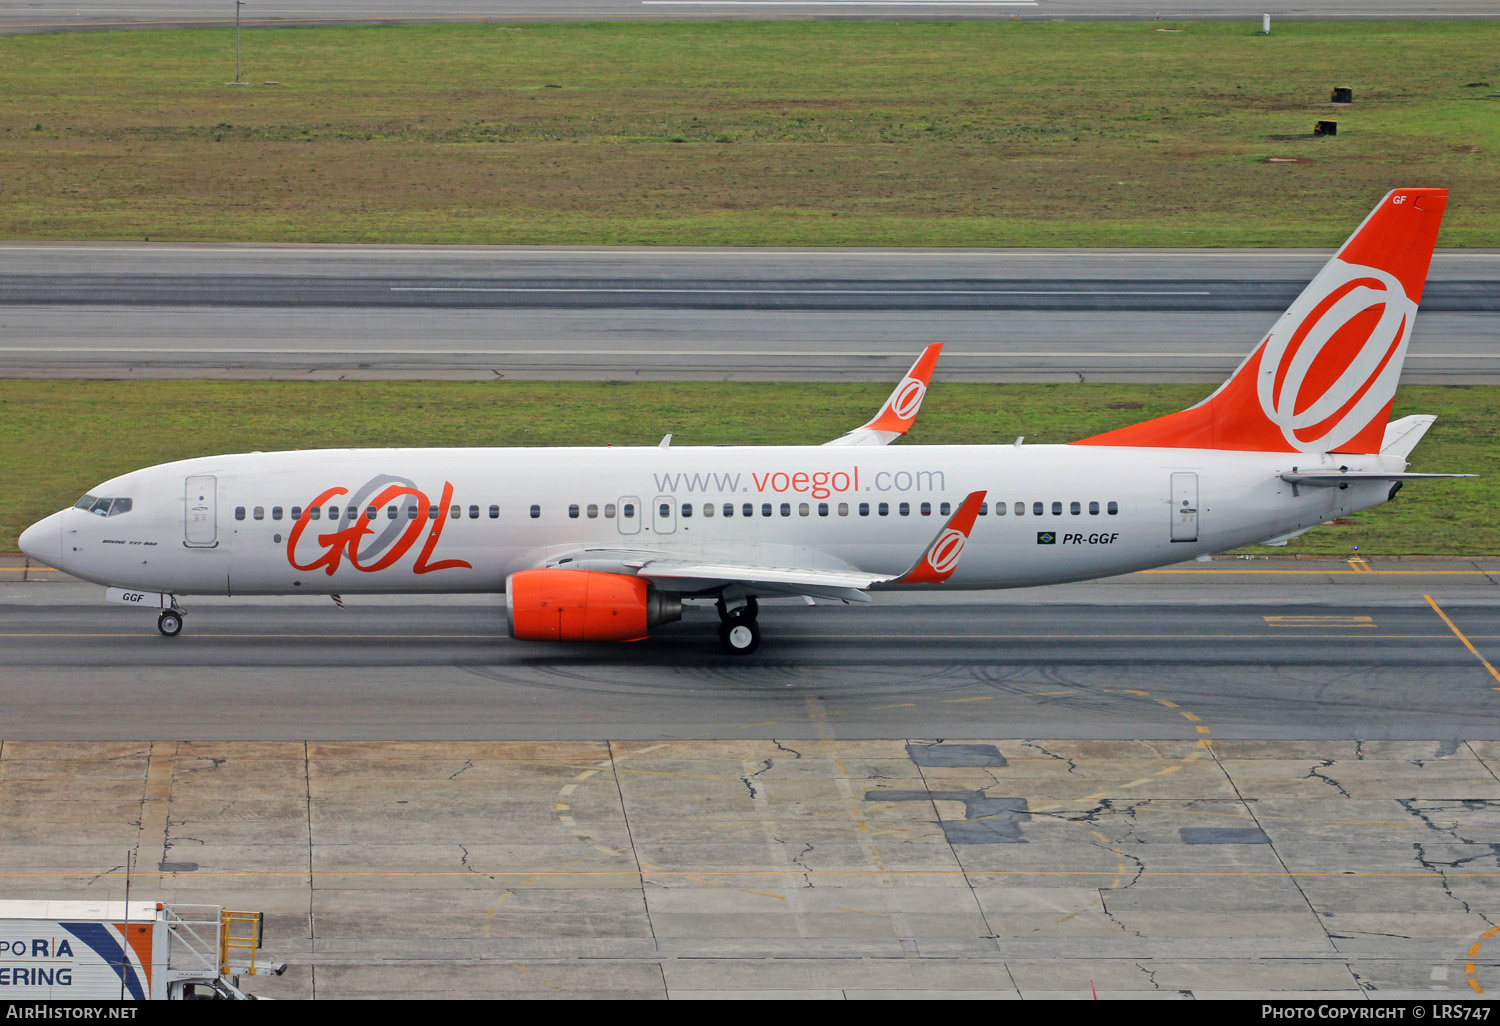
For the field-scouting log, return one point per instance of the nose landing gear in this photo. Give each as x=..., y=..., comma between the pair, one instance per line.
x=170, y=622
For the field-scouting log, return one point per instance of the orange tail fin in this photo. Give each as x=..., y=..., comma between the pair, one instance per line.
x=1324, y=379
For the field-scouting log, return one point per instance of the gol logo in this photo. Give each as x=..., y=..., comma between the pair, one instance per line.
x=1363, y=319
x=908, y=399
x=943, y=556
x=367, y=550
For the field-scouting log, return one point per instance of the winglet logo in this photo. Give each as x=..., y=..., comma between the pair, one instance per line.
x=907, y=399
x=1331, y=366
x=942, y=558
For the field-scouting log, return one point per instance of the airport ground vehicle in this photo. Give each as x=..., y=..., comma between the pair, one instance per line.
x=607, y=544
x=131, y=951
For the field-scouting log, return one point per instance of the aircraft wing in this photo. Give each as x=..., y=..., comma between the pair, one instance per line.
x=898, y=414
x=706, y=576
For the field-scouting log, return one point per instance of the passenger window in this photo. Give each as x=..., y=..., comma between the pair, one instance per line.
x=765, y=509
x=1057, y=509
x=748, y=509
x=296, y=512
x=494, y=512
x=432, y=512
x=1075, y=509
x=729, y=509
x=786, y=509
x=687, y=509
x=454, y=512
x=313, y=512
x=1093, y=509
x=473, y=512
x=885, y=509
x=843, y=509
x=864, y=509
x=391, y=512
x=1020, y=509
x=259, y=513
x=945, y=509
x=239, y=512
x=708, y=509
x=412, y=512
x=1000, y=509
x=802, y=509
x=573, y=511
x=593, y=511
x=628, y=511
x=1113, y=508
x=665, y=511
x=926, y=509
x=904, y=509
x=1037, y=509
x=371, y=512
x=536, y=512
x=822, y=509
x=609, y=511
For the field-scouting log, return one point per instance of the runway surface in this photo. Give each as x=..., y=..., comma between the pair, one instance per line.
x=53, y=15
x=629, y=314
x=1274, y=650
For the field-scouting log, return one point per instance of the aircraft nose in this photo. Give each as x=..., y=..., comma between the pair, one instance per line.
x=42, y=541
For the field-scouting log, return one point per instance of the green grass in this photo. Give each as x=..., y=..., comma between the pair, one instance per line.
x=749, y=133
x=60, y=438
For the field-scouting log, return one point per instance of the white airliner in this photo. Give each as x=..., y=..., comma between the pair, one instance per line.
x=605, y=544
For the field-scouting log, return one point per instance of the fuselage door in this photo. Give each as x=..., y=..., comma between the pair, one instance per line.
x=1184, y=507
x=200, y=518
x=663, y=514
x=629, y=519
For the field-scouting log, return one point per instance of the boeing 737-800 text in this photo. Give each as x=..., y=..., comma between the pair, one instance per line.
x=604, y=544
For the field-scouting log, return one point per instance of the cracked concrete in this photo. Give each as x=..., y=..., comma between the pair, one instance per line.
x=1004, y=868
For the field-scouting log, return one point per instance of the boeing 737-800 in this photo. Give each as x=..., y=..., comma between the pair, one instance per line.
x=605, y=544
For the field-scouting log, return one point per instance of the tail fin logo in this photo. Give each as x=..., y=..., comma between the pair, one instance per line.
x=908, y=399
x=1331, y=366
x=944, y=554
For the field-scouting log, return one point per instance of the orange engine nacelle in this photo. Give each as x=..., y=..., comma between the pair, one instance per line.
x=584, y=605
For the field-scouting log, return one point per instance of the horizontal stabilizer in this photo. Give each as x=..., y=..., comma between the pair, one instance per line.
x=1332, y=478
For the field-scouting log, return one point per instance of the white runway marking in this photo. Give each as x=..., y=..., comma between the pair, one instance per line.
x=838, y=3
x=797, y=292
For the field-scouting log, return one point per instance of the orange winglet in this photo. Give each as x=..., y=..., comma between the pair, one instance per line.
x=900, y=410
x=941, y=556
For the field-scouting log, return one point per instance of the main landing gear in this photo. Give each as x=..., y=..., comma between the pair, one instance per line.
x=170, y=622
x=739, y=634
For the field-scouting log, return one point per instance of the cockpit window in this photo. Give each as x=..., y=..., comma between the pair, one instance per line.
x=104, y=507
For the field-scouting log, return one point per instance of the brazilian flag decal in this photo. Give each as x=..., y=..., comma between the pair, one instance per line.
x=1046, y=537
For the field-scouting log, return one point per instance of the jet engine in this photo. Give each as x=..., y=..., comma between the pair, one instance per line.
x=584, y=605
